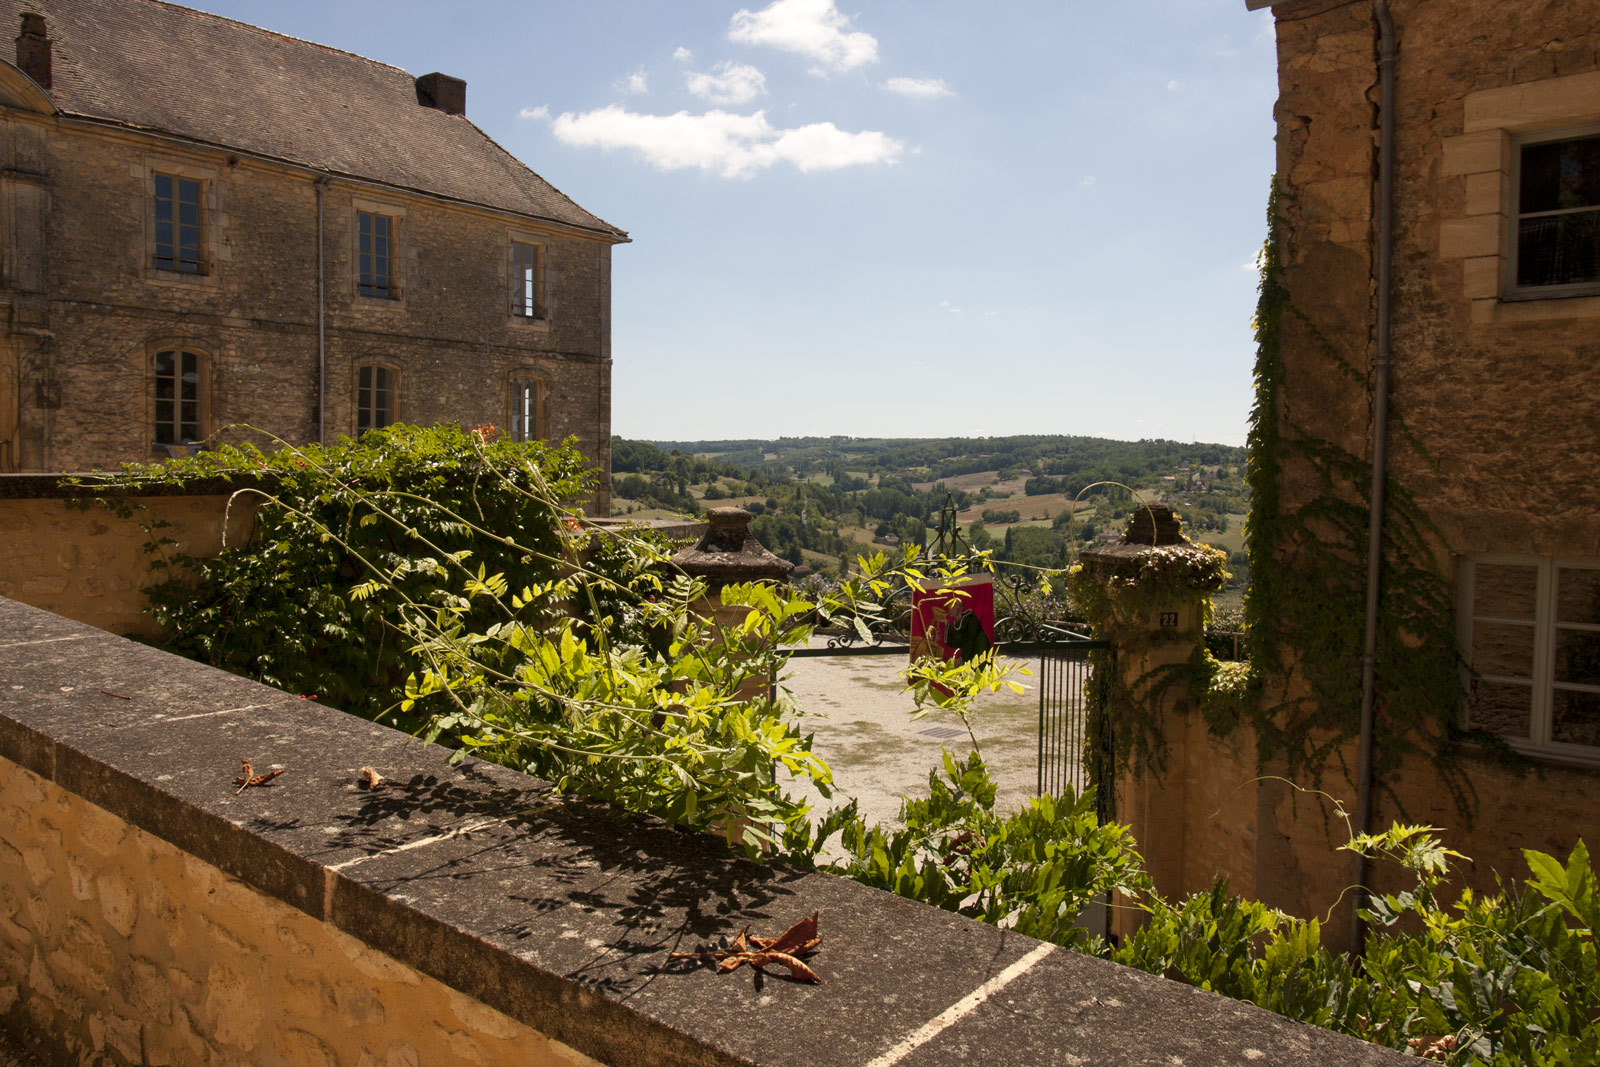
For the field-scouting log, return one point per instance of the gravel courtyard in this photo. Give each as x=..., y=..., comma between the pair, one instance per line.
x=859, y=713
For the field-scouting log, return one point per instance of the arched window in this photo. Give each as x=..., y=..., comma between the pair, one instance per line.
x=377, y=395
x=527, y=409
x=180, y=408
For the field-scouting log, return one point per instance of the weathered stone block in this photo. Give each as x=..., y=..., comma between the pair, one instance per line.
x=1544, y=103
x=1488, y=193
x=1473, y=153
x=1463, y=238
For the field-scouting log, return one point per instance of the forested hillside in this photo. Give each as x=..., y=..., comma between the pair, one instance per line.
x=1033, y=500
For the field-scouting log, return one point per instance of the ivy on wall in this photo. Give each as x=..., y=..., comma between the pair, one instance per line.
x=1306, y=607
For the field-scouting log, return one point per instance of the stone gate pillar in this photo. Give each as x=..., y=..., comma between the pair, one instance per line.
x=1147, y=594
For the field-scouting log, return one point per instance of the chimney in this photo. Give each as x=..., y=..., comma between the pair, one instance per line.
x=434, y=90
x=33, y=49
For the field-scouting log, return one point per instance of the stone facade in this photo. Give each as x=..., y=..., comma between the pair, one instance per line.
x=1495, y=400
x=88, y=307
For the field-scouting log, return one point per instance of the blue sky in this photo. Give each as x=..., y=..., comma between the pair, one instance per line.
x=885, y=217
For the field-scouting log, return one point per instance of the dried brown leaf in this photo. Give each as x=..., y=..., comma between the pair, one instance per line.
x=250, y=777
x=796, y=968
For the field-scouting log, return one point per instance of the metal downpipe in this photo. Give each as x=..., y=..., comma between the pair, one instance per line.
x=1388, y=58
x=322, y=325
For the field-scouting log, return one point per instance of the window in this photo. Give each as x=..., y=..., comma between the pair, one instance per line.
x=374, y=253
x=178, y=393
x=1555, y=246
x=1531, y=635
x=177, y=224
x=527, y=404
x=527, y=280
x=375, y=397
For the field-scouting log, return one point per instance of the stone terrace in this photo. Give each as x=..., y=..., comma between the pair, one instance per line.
x=475, y=916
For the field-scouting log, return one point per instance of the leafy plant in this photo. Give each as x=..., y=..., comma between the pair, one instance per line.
x=1034, y=871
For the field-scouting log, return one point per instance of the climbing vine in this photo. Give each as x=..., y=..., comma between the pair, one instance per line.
x=1305, y=610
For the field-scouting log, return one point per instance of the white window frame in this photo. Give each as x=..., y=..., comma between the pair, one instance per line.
x=1538, y=741
x=1514, y=217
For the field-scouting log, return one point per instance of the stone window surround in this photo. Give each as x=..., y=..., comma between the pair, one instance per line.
x=1537, y=744
x=542, y=242
x=397, y=279
x=176, y=344
x=212, y=221
x=355, y=391
x=1483, y=155
x=541, y=402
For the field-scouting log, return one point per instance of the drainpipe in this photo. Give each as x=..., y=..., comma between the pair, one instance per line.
x=1388, y=58
x=322, y=326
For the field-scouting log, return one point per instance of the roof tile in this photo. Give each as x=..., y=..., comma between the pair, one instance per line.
x=171, y=69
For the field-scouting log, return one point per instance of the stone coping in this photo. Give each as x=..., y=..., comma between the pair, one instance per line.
x=56, y=486
x=561, y=911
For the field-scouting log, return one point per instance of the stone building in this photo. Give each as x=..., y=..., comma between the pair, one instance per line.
x=206, y=225
x=1487, y=313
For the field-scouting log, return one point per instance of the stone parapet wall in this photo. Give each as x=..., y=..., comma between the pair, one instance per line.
x=91, y=565
x=475, y=909
x=126, y=950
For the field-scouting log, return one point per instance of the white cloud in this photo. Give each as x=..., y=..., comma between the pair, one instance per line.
x=949, y=307
x=540, y=112
x=633, y=83
x=683, y=55
x=922, y=88
x=812, y=28
x=728, y=83
x=1173, y=86
x=1087, y=182
x=735, y=146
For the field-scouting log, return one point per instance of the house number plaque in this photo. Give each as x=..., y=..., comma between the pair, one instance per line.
x=1169, y=620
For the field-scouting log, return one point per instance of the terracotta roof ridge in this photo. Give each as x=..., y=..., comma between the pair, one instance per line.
x=269, y=33
x=524, y=168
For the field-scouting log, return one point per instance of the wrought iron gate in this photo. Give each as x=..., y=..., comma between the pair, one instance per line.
x=1075, y=745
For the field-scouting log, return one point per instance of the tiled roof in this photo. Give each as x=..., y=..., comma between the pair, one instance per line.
x=161, y=67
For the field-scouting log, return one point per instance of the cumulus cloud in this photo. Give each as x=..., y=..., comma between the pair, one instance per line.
x=634, y=83
x=921, y=88
x=1174, y=85
x=683, y=55
x=949, y=307
x=1086, y=182
x=728, y=83
x=811, y=28
x=540, y=112
x=734, y=146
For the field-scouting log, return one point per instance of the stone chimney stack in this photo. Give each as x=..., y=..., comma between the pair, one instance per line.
x=33, y=49
x=439, y=91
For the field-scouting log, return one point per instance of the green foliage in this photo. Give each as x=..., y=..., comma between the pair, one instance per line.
x=1510, y=978
x=1034, y=871
x=345, y=538
x=1506, y=979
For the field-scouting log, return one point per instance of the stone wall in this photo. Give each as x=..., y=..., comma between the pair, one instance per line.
x=1493, y=400
x=154, y=913
x=1217, y=813
x=91, y=565
x=126, y=950
x=1496, y=399
x=86, y=327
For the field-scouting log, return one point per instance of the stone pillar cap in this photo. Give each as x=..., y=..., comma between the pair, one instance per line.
x=727, y=552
